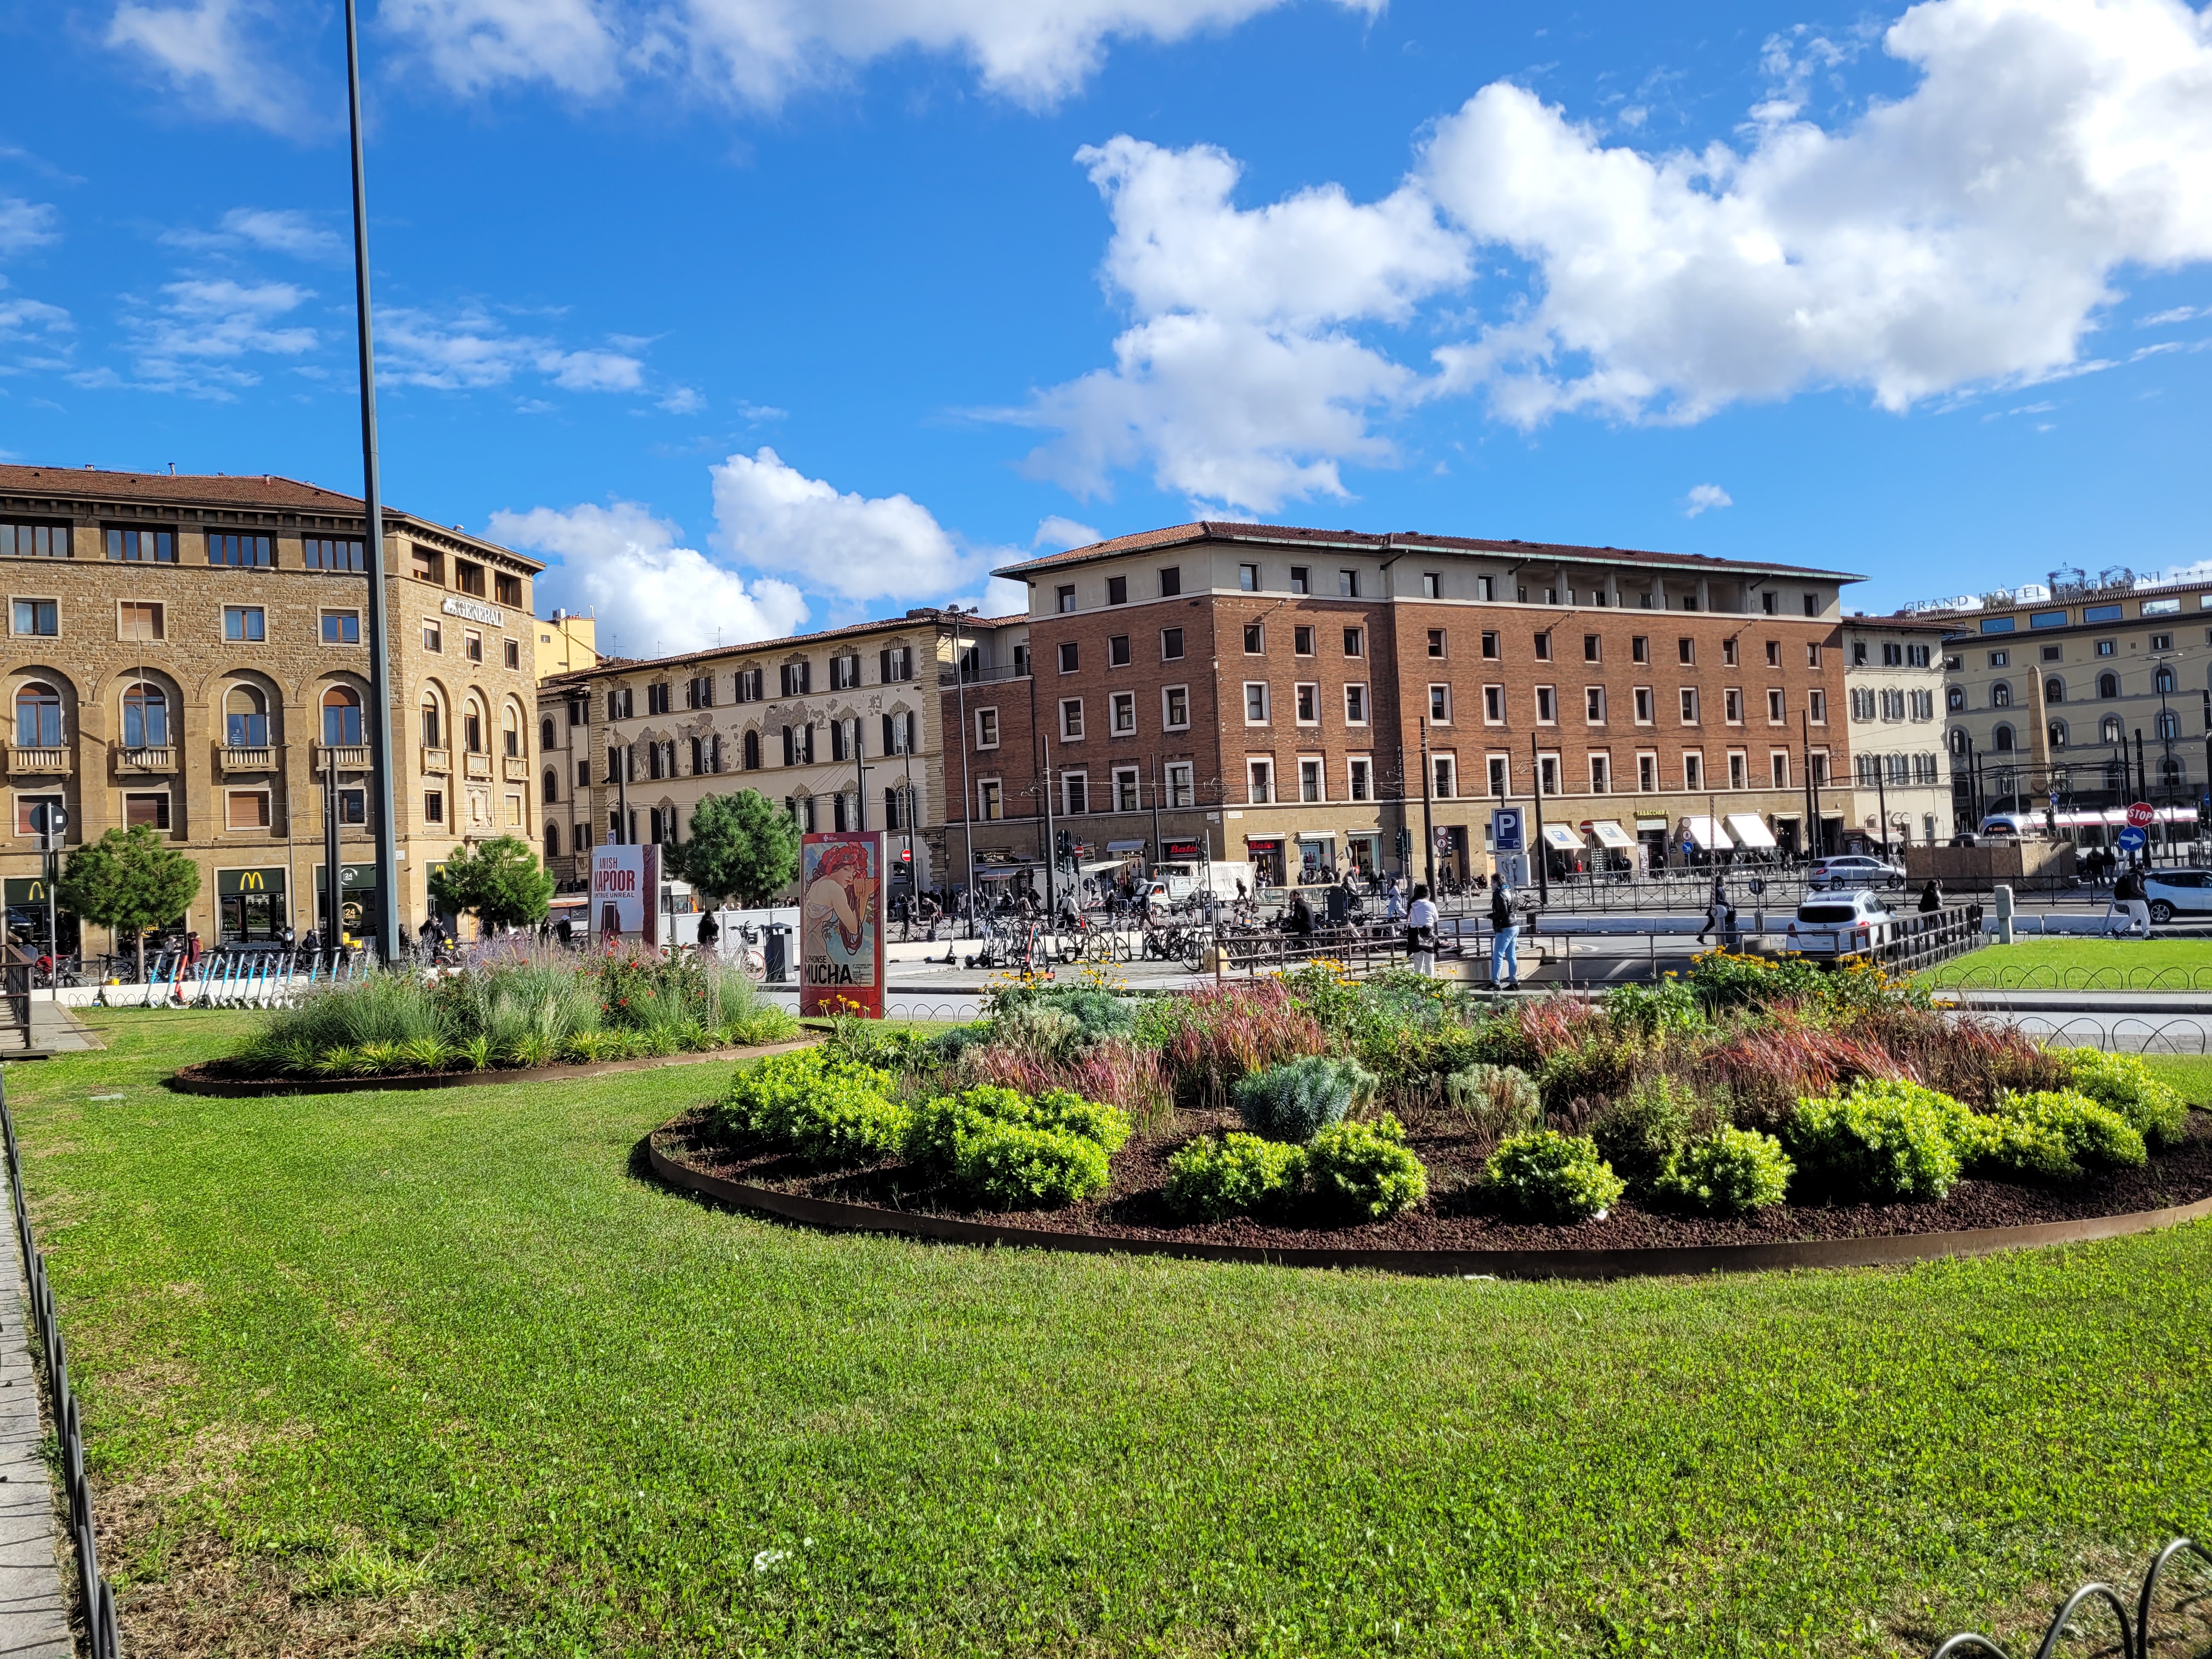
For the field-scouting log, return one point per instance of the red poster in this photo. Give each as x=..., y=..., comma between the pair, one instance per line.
x=840, y=923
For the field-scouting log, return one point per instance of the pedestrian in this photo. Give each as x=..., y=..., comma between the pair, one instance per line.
x=1504, y=940
x=1301, y=920
x=1931, y=897
x=1421, y=933
x=2129, y=895
x=1716, y=911
x=709, y=930
x=1394, y=901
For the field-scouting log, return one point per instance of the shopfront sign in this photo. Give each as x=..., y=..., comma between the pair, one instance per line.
x=840, y=923
x=229, y=883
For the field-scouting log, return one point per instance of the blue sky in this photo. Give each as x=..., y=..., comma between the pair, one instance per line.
x=759, y=313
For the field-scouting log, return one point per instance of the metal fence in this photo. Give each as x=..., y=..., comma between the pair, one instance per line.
x=2099, y=1598
x=2035, y=977
x=98, y=1599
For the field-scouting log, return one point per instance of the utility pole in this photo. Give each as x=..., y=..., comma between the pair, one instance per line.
x=379, y=712
x=1051, y=852
x=1428, y=823
x=333, y=872
x=1152, y=770
x=967, y=791
x=859, y=776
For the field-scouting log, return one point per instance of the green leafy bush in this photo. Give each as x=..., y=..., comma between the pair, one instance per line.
x=1235, y=1175
x=2094, y=1136
x=1594, y=1063
x=1639, y=1132
x=1495, y=1100
x=2126, y=1084
x=1007, y=1151
x=1295, y=1101
x=1366, y=1168
x=815, y=1104
x=1726, y=1173
x=1884, y=1141
x=1654, y=1010
x=1549, y=1176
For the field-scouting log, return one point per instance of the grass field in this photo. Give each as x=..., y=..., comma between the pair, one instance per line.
x=438, y=1373
x=2089, y=963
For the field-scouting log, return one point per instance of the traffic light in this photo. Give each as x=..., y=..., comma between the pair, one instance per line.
x=1066, y=846
x=1405, y=843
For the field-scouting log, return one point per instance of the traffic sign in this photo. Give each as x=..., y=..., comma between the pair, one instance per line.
x=2141, y=814
x=1505, y=830
x=2132, y=838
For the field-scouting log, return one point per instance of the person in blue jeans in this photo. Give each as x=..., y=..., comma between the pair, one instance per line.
x=1504, y=940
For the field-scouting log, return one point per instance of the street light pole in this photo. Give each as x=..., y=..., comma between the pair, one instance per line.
x=1428, y=827
x=966, y=791
x=379, y=733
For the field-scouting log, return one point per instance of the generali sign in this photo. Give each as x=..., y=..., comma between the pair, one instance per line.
x=474, y=611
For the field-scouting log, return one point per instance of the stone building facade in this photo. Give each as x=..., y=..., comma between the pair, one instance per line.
x=1894, y=682
x=1281, y=694
x=840, y=728
x=187, y=654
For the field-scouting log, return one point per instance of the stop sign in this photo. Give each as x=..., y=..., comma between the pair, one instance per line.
x=2140, y=815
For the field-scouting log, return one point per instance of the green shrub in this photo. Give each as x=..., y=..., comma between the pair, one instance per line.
x=1495, y=1100
x=1726, y=1173
x=1884, y=1141
x=2021, y=1147
x=1366, y=1168
x=2094, y=1136
x=1639, y=1132
x=1295, y=1101
x=1549, y=1176
x=813, y=1103
x=1594, y=1065
x=1026, y=1166
x=1652, y=1011
x=1234, y=1175
x=2126, y=1084
x=1063, y=1109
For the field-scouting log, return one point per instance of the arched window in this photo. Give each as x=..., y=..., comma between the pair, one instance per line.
x=434, y=721
x=1954, y=698
x=510, y=733
x=752, y=751
x=2054, y=690
x=38, y=716
x=472, y=728
x=1958, y=740
x=145, y=717
x=2163, y=680
x=2108, y=730
x=2000, y=695
x=552, y=838
x=2169, y=772
x=245, y=717
x=551, y=792
x=2059, y=734
x=2108, y=685
x=342, y=718
x=2169, y=724
x=545, y=736
x=2002, y=742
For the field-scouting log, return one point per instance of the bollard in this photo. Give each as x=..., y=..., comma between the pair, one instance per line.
x=2003, y=904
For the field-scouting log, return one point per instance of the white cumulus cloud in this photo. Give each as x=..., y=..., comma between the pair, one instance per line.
x=651, y=595
x=269, y=230
x=226, y=58
x=1704, y=498
x=473, y=350
x=1057, y=534
x=24, y=225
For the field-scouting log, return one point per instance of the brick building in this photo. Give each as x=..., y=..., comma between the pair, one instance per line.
x=1279, y=695
x=186, y=653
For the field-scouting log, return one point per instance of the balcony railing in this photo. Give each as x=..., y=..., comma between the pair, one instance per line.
x=345, y=758
x=437, y=762
x=21, y=759
x=515, y=769
x=250, y=759
x=144, y=759
x=947, y=679
x=479, y=766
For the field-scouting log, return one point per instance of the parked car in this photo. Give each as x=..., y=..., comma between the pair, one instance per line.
x=1840, y=925
x=1853, y=871
x=2178, y=893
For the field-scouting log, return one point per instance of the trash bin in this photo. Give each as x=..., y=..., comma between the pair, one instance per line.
x=1339, y=907
x=778, y=952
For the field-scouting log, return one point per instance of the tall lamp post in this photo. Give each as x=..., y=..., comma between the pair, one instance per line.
x=379, y=721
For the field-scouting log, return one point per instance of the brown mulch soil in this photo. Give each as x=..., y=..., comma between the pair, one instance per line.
x=1455, y=1216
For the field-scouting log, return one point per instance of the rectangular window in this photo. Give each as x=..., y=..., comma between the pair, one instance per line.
x=434, y=636
x=1122, y=711
x=1818, y=762
x=1490, y=645
x=1643, y=700
x=39, y=541
x=1117, y=590
x=1355, y=641
x=1432, y=585
x=1639, y=649
x=1776, y=715
x=1117, y=651
x=2159, y=642
x=1248, y=578
x=1732, y=706
x=1590, y=648
x=1301, y=641
x=253, y=552
x=1355, y=705
x=434, y=806
x=1493, y=705
x=1501, y=775
x=1255, y=702
x=1770, y=602
x=1170, y=581
x=341, y=627
x=1440, y=705
x=844, y=674
x=1647, y=775
x=1126, y=792
x=1547, y=705
x=32, y=813
x=1069, y=656
x=1300, y=579
x=1811, y=605
x=429, y=566
x=1066, y=599
x=1777, y=767
x=1308, y=695
x=1728, y=653
x=1310, y=780
x=136, y=620
x=1739, y=766
x=1174, y=707
x=1347, y=584
x=135, y=546
x=148, y=811
x=1816, y=706
x=1693, y=770
x=239, y=621
x=2000, y=658
x=1686, y=652
x=472, y=645
x=987, y=728
x=796, y=678
x=506, y=588
x=38, y=616
x=1171, y=645
x=1689, y=705
x=1259, y=780
x=989, y=801
x=1437, y=643
x=1070, y=718
x=748, y=684
x=1813, y=655
x=1543, y=647
x=1359, y=778
x=1181, y=791
x=333, y=553
x=1594, y=704
x=1443, y=775
x=1601, y=774
x=1255, y=639
x=245, y=809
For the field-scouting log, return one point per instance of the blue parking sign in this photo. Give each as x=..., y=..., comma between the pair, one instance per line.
x=1505, y=830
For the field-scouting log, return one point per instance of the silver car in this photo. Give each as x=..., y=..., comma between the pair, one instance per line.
x=1853, y=870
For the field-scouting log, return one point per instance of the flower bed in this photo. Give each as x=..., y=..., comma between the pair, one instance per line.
x=510, y=1008
x=1745, y=1103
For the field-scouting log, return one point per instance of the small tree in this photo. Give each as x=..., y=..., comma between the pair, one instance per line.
x=499, y=880
x=129, y=879
x=743, y=847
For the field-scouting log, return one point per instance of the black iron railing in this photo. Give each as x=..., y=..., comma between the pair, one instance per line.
x=2100, y=1599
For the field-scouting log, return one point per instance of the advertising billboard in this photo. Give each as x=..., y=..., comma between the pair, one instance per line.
x=840, y=923
x=626, y=894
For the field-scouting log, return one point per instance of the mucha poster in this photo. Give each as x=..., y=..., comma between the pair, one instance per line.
x=840, y=923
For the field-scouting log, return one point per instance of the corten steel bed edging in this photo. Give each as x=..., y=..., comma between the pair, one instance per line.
x=250, y=1088
x=1884, y=1250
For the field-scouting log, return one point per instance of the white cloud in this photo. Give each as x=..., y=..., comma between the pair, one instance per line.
x=591, y=371
x=197, y=338
x=35, y=324
x=226, y=58
x=682, y=400
x=773, y=516
x=760, y=51
x=2178, y=314
x=651, y=595
x=1057, y=535
x=24, y=225
x=474, y=350
x=271, y=230
x=1704, y=498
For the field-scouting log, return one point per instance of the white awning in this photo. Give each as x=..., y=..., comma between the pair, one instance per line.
x=1708, y=833
x=1125, y=846
x=1610, y=833
x=1562, y=837
x=1317, y=835
x=1749, y=830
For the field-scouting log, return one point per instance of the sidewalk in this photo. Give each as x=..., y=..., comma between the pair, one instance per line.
x=34, y=1621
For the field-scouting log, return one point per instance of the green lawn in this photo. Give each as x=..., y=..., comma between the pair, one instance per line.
x=438, y=1373
x=2112, y=964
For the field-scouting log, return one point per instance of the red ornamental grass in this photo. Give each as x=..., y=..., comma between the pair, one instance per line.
x=1233, y=1030
x=1118, y=1073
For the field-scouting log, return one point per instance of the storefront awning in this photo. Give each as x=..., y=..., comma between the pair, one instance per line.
x=1125, y=846
x=1708, y=833
x=1610, y=834
x=1328, y=835
x=1749, y=830
x=1562, y=838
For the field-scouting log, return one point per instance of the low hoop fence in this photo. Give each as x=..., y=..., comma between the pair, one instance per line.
x=99, y=1598
x=2099, y=1599
x=2040, y=977
x=2127, y=1034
